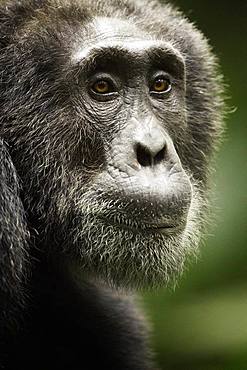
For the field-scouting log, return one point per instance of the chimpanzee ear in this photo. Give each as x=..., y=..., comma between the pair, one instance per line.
x=14, y=237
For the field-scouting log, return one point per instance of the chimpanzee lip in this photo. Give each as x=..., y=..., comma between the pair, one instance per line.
x=166, y=228
x=163, y=228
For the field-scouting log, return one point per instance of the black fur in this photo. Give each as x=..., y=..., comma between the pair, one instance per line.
x=55, y=310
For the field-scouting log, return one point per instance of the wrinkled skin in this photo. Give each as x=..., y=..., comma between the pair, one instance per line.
x=109, y=115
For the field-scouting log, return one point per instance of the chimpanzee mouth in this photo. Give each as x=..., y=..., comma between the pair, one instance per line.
x=166, y=228
x=137, y=227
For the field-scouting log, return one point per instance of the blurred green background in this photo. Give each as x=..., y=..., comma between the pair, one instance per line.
x=202, y=325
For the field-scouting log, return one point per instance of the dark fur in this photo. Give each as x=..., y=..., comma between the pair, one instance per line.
x=51, y=317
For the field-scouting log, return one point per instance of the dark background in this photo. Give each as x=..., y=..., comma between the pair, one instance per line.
x=202, y=325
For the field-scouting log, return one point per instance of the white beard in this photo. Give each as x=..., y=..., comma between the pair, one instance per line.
x=125, y=256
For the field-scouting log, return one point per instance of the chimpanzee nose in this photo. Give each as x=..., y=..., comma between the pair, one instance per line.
x=150, y=149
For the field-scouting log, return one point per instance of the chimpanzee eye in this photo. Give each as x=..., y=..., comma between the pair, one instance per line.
x=102, y=87
x=161, y=84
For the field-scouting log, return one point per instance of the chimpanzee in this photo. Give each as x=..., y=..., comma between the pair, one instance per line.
x=110, y=112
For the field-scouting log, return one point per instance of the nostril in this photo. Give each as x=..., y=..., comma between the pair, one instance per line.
x=160, y=156
x=147, y=158
x=143, y=155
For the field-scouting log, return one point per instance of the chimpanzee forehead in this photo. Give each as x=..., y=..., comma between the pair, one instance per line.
x=105, y=32
x=115, y=28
